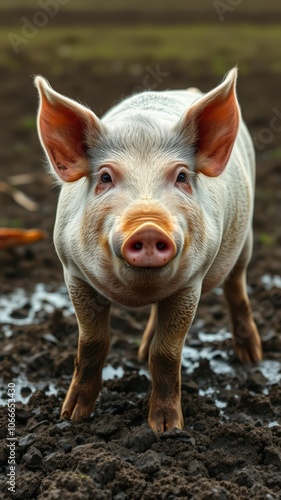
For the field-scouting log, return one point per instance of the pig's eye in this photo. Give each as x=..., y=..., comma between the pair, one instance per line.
x=105, y=177
x=183, y=183
x=182, y=177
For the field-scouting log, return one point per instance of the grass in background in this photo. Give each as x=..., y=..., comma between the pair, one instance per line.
x=252, y=47
x=257, y=6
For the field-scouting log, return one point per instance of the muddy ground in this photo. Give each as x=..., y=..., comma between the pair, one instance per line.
x=230, y=447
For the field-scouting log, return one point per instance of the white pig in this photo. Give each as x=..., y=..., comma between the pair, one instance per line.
x=155, y=208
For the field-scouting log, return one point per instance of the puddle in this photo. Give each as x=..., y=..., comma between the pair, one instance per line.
x=18, y=308
x=108, y=372
x=210, y=391
x=271, y=370
x=220, y=365
x=21, y=309
x=269, y=281
x=219, y=360
x=273, y=423
x=24, y=388
x=214, y=337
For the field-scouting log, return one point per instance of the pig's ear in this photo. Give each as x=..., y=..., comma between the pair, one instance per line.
x=65, y=128
x=211, y=126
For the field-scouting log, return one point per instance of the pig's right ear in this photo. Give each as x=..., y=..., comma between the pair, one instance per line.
x=210, y=125
x=65, y=128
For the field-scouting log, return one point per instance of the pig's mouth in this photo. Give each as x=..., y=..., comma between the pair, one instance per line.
x=146, y=276
x=140, y=270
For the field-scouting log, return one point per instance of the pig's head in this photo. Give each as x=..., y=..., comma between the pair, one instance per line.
x=134, y=187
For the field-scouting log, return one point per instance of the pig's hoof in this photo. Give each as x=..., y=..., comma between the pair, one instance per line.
x=78, y=413
x=249, y=350
x=77, y=406
x=163, y=420
x=249, y=355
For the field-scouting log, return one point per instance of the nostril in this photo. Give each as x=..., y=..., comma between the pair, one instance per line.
x=137, y=245
x=148, y=246
x=160, y=245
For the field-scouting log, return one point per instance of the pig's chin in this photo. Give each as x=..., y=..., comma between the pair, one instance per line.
x=136, y=286
x=152, y=277
x=146, y=285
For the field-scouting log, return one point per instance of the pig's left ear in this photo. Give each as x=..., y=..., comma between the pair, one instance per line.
x=211, y=126
x=65, y=128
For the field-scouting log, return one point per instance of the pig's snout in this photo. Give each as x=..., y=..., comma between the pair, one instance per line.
x=148, y=246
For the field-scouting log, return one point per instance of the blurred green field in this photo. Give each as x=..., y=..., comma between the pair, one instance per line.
x=252, y=47
x=74, y=35
x=183, y=5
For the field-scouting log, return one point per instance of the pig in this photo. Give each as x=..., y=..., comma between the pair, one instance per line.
x=155, y=208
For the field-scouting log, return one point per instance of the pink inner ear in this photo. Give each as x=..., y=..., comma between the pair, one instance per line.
x=217, y=130
x=213, y=123
x=63, y=133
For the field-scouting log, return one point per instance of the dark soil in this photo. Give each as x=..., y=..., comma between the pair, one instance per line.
x=230, y=447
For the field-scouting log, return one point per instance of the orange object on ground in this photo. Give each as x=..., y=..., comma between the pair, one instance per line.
x=10, y=237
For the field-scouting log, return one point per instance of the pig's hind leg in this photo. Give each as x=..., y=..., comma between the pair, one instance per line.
x=247, y=342
x=92, y=311
x=148, y=334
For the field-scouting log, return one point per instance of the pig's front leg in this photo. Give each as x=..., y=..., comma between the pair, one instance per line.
x=175, y=316
x=92, y=311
